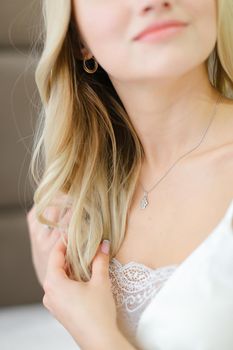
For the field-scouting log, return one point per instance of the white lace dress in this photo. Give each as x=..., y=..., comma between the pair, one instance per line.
x=134, y=285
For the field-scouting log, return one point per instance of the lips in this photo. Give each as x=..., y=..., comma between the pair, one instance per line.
x=159, y=26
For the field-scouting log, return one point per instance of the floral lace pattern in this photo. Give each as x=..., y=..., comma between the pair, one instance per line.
x=133, y=286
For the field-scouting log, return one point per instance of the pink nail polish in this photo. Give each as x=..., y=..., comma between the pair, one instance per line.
x=105, y=246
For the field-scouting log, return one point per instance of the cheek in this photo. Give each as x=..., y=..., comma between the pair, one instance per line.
x=100, y=26
x=197, y=43
x=204, y=19
x=103, y=27
x=201, y=35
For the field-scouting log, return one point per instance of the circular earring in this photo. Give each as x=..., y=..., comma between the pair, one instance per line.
x=88, y=70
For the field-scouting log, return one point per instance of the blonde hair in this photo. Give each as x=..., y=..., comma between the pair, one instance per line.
x=86, y=148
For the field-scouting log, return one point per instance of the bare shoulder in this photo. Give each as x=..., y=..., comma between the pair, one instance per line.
x=217, y=150
x=225, y=120
x=221, y=135
x=222, y=138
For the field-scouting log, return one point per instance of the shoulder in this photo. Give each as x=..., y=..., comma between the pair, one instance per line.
x=219, y=143
x=224, y=120
x=224, y=132
x=221, y=153
x=215, y=156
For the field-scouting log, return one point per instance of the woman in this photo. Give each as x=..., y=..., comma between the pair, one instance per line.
x=137, y=145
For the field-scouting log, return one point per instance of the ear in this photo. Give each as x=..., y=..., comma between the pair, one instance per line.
x=86, y=53
x=81, y=52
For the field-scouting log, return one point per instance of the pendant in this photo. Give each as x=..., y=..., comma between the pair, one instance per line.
x=144, y=201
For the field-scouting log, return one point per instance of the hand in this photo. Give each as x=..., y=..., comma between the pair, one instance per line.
x=42, y=239
x=86, y=309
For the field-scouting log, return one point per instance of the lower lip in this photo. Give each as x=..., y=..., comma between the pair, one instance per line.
x=161, y=33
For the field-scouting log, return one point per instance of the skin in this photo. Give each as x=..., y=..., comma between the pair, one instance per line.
x=165, y=89
x=64, y=295
x=43, y=240
x=163, y=83
x=93, y=302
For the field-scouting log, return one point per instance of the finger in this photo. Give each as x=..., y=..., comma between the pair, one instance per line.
x=65, y=220
x=100, y=264
x=54, y=236
x=48, y=231
x=57, y=262
x=34, y=225
x=52, y=214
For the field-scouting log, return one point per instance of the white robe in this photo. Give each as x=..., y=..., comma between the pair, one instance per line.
x=194, y=308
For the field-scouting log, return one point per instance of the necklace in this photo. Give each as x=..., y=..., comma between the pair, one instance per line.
x=144, y=201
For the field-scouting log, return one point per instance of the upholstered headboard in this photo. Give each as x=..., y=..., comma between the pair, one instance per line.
x=19, y=109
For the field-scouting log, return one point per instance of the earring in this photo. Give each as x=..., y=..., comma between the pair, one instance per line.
x=88, y=70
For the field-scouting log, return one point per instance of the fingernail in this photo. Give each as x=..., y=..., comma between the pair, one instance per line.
x=105, y=246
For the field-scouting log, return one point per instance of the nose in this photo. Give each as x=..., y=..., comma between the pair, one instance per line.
x=153, y=5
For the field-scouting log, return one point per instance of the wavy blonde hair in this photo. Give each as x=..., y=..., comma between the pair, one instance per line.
x=86, y=149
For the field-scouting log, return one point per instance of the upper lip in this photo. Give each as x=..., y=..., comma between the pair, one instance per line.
x=159, y=25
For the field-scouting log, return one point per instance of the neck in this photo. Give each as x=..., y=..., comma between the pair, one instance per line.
x=170, y=115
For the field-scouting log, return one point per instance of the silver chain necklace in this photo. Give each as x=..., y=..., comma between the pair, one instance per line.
x=144, y=201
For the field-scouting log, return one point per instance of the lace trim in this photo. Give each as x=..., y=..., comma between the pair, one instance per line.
x=133, y=284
